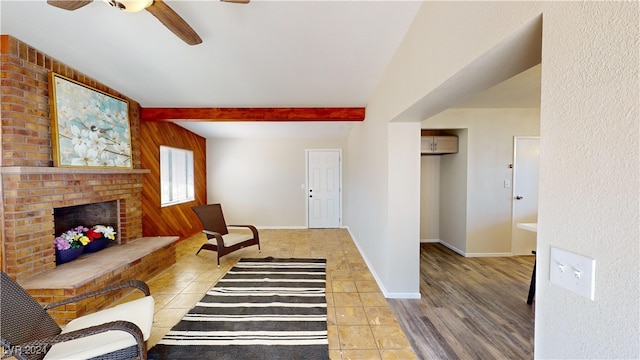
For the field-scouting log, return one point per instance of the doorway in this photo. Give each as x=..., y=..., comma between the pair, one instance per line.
x=324, y=188
x=526, y=152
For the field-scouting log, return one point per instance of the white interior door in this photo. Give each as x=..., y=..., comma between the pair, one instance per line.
x=526, y=152
x=324, y=183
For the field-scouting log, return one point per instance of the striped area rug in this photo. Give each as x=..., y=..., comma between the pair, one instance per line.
x=261, y=309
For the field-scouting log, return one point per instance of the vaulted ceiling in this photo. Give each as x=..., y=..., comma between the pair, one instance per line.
x=265, y=54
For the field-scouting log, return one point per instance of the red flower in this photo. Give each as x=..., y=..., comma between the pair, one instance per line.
x=92, y=234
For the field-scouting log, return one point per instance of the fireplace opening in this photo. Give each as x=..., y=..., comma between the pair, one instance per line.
x=105, y=213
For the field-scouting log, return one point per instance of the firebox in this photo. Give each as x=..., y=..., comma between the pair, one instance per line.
x=101, y=213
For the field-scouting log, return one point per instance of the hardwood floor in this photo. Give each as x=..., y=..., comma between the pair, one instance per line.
x=471, y=308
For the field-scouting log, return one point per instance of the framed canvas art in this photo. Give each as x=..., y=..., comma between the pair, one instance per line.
x=89, y=128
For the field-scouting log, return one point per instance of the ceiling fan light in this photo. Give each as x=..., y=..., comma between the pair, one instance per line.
x=130, y=5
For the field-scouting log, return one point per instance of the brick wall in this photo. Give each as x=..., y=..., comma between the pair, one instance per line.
x=31, y=194
x=31, y=187
x=26, y=125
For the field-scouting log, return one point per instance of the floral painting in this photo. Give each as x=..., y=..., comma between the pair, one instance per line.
x=90, y=128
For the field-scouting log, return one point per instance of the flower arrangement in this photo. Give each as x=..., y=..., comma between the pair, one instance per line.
x=73, y=238
x=82, y=235
x=99, y=231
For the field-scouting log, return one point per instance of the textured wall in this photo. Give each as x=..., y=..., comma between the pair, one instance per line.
x=589, y=194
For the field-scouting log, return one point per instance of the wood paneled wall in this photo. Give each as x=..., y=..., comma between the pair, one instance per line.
x=178, y=219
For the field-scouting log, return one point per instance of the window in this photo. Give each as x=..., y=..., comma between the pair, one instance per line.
x=176, y=175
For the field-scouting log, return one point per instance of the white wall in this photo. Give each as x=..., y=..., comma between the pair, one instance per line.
x=403, y=212
x=259, y=180
x=386, y=228
x=588, y=195
x=430, y=198
x=589, y=164
x=453, y=195
x=489, y=152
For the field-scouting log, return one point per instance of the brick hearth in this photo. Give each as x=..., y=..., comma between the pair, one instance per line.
x=138, y=259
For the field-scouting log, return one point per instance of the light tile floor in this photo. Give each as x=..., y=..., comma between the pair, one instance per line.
x=359, y=321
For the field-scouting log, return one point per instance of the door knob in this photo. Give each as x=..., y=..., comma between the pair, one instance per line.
x=519, y=197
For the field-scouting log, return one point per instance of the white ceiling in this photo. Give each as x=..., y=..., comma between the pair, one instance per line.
x=265, y=54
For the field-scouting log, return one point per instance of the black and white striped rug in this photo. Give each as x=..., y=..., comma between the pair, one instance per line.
x=261, y=309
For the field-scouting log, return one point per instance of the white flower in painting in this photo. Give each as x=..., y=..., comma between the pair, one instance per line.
x=94, y=107
x=78, y=135
x=106, y=159
x=122, y=161
x=66, y=152
x=121, y=118
x=107, y=115
x=115, y=137
x=64, y=113
x=82, y=113
x=93, y=128
x=96, y=141
x=64, y=130
x=84, y=156
x=101, y=125
x=122, y=148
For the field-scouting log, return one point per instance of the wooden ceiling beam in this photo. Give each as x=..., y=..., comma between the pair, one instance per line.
x=253, y=114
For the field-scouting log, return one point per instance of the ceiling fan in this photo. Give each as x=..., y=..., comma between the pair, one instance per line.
x=157, y=8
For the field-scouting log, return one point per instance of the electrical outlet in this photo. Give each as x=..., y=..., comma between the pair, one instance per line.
x=573, y=272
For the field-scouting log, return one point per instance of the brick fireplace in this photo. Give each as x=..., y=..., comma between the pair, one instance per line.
x=31, y=188
x=32, y=193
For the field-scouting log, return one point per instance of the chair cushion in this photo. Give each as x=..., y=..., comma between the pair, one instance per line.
x=139, y=312
x=231, y=239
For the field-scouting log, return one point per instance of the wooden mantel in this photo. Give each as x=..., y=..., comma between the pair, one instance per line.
x=253, y=114
x=26, y=170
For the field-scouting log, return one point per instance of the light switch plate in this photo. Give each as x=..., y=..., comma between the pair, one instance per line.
x=573, y=272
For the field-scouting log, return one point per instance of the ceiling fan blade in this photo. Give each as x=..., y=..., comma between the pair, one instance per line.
x=174, y=22
x=236, y=1
x=69, y=4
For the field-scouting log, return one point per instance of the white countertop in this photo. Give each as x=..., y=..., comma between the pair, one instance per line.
x=528, y=226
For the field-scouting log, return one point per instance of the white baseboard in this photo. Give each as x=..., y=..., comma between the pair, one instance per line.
x=389, y=295
x=385, y=292
x=466, y=254
x=280, y=227
x=295, y=227
x=425, y=241
x=488, y=255
x=455, y=249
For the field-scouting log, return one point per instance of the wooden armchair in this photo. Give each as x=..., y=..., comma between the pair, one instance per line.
x=28, y=332
x=218, y=237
